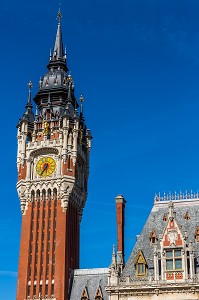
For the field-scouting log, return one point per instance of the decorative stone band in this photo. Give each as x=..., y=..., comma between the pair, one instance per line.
x=150, y=280
x=40, y=298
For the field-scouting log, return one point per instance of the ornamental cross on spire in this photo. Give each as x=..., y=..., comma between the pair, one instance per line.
x=59, y=16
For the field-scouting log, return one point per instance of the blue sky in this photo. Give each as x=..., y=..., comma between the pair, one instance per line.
x=137, y=64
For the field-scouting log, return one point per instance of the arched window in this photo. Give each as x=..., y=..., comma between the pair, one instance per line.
x=32, y=196
x=38, y=195
x=43, y=195
x=54, y=194
x=49, y=194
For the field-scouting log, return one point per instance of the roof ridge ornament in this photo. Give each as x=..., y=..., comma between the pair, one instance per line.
x=176, y=196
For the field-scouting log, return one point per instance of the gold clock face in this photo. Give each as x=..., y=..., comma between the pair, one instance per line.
x=45, y=166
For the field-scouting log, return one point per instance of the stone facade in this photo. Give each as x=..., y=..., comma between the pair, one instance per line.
x=164, y=262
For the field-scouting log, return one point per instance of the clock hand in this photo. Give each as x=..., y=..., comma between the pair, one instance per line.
x=45, y=168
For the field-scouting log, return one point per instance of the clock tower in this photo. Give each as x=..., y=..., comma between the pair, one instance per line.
x=53, y=168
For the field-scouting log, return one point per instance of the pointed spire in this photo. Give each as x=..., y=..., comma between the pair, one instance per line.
x=28, y=114
x=29, y=103
x=58, y=55
x=58, y=51
x=113, y=261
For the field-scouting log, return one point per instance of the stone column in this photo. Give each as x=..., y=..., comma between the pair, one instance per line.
x=28, y=169
x=191, y=257
x=155, y=259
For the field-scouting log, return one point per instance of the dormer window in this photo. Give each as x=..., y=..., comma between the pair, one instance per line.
x=187, y=216
x=197, y=234
x=98, y=295
x=165, y=218
x=153, y=237
x=84, y=294
x=140, y=264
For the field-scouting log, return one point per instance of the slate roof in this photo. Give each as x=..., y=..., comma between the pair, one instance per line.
x=155, y=222
x=91, y=279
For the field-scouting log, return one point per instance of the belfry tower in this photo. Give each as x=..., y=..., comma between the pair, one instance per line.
x=53, y=167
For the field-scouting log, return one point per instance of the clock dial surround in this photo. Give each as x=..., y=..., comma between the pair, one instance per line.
x=45, y=166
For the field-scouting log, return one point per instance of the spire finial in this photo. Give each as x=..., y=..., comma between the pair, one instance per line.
x=81, y=99
x=59, y=16
x=70, y=81
x=30, y=85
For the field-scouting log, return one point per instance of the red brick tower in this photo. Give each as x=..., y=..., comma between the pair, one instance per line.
x=53, y=165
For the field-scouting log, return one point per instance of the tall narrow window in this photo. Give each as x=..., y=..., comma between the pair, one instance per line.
x=49, y=194
x=43, y=195
x=38, y=195
x=33, y=196
x=28, y=292
x=69, y=164
x=46, y=292
x=52, y=289
x=34, y=290
x=55, y=194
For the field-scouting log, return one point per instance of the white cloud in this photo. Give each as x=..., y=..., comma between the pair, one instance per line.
x=8, y=273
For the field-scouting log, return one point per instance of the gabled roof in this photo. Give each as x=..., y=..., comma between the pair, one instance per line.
x=140, y=258
x=155, y=221
x=92, y=280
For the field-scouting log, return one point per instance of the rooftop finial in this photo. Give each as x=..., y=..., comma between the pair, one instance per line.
x=70, y=81
x=30, y=85
x=59, y=16
x=81, y=99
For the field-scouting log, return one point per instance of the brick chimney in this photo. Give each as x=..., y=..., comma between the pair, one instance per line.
x=120, y=206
